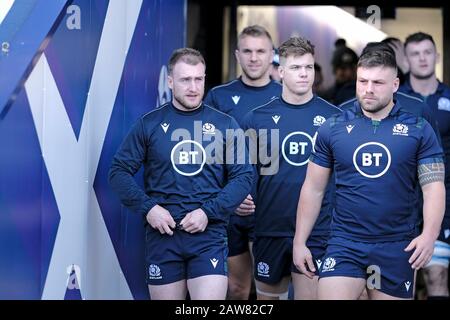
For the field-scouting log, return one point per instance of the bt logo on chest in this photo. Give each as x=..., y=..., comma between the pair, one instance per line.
x=372, y=159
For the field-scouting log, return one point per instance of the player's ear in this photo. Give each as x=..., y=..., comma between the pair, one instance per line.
x=396, y=84
x=281, y=71
x=170, y=82
x=236, y=54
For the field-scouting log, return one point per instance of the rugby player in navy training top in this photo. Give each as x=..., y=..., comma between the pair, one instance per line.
x=284, y=129
x=189, y=190
x=253, y=88
x=378, y=153
x=408, y=103
x=422, y=83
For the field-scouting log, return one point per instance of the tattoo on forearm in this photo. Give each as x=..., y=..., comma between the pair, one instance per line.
x=431, y=172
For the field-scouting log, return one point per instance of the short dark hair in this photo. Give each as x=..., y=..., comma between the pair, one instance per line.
x=380, y=46
x=389, y=40
x=340, y=43
x=254, y=31
x=418, y=37
x=296, y=46
x=187, y=55
x=343, y=57
x=377, y=54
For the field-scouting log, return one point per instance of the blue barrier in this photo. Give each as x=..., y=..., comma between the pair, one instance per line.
x=63, y=232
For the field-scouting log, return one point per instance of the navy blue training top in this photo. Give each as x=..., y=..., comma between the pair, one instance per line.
x=183, y=154
x=410, y=104
x=236, y=98
x=289, y=130
x=375, y=165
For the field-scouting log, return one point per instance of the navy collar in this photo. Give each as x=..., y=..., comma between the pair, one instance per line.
x=441, y=88
x=439, y=91
x=297, y=106
x=261, y=88
x=356, y=108
x=408, y=87
x=185, y=112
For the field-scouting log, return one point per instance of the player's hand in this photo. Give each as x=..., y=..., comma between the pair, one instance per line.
x=400, y=56
x=247, y=207
x=194, y=221
x=159, y=218
x=303, y=260
x=424, y=247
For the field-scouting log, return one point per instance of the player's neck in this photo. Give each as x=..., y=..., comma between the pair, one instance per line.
x=296, y=99
x=424, y=87
x=261, y=82
x=381, y=114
